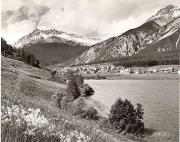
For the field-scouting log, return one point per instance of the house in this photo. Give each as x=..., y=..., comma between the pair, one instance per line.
x=137, y=72
x=152, y=70
x=125, y=71
x=179, y=72
x=168, y=70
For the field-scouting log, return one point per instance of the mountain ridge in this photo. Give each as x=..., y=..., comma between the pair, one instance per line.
x=132, y=41
x=166, y=14
x=38, y=35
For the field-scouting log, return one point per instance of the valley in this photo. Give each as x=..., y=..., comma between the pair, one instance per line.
x=60, y=86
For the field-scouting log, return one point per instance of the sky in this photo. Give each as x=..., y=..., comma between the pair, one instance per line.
x=91, y=18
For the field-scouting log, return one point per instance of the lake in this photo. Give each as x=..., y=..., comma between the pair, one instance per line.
x=159, y=98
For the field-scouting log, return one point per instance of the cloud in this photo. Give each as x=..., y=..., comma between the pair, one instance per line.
x=23, y=13
x=102, y=18
x=19, y=22
x=17, y=30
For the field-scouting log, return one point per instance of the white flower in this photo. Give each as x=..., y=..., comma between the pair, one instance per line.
x=82, y=135
x=38, y=110
x=5, y=120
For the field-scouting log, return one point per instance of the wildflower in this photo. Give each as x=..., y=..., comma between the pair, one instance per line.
x=82, y=135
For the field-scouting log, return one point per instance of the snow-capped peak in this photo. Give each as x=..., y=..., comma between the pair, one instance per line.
x=39, y=34
x=166, y=15
x=167, y=9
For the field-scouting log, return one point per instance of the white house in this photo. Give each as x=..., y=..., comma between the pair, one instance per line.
x=179, y=72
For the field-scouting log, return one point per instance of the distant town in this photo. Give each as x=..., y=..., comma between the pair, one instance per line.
x=110, y=68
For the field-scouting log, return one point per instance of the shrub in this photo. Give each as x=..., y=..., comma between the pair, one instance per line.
x=76, y=86
x=101, y=77
x=59, y=99
x=90, y=113
x=65, y=102
x=125, y=118
x=79, y=79
x=78, y=107
x=53, y=72
x=86, y=90
x=74, y=100
x=73, y=85
x=104, y=124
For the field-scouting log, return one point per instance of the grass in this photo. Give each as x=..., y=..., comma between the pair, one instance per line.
x=28, y=125
x=27, y=92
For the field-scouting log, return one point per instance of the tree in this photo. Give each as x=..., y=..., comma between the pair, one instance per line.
x=32, y=60
x=124, y=117
x=23, y=54
x=28, y=58
x=73, y=85
x=5, y=48
x=86, y=90
x=36, y=63
x=79, y=79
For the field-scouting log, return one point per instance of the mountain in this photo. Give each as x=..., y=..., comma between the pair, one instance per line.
x=166, y=15
x=160, y=26
x=53, y=46
x=168, y=45
x=59, y=36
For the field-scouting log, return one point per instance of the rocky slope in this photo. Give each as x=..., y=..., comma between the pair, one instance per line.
x=164, y=24
x=168, y=47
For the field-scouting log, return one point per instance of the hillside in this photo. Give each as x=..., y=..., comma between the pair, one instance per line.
x=54, y=52
x=136, y=40
x=31, y=89
x=166, y=48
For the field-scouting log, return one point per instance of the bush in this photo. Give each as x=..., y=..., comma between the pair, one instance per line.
x=73, y=85
x=74, y=100
x=54, y=72
x=101, y=77
x=79, y=108
x=125, y=118
x=76, y=86
x=59, y=98
x=86, y=90
x=104, y=124
x=90, y=113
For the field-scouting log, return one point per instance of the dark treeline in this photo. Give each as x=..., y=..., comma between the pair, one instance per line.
x=144, y=60
x=26, y=57
x=150, y=59
x=6, y=49
x=18, y=53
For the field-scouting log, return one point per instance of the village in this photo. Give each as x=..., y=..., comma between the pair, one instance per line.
x=110, y=68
